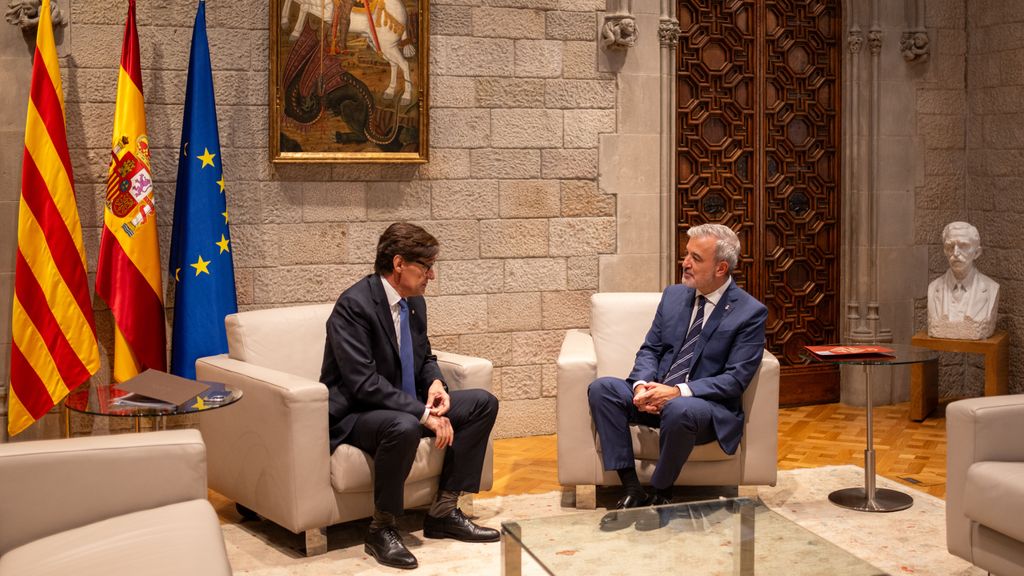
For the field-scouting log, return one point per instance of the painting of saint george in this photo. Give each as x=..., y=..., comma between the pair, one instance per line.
x=348, y=80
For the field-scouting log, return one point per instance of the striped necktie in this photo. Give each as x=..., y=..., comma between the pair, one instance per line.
x=680, y=369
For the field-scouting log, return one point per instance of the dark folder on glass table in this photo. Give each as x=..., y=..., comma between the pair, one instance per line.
x=163, y=386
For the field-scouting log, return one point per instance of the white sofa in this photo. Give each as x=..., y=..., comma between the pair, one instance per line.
x=618, y=324
x=270, y=451
x=126, y=504
x=985, y=482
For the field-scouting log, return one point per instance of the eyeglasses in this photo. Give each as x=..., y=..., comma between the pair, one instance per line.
x=426, y=267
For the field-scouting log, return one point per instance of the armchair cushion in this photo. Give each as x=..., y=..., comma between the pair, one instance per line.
x=994, y=496
x=182, y=538
x=645, y=446
x=352, y=469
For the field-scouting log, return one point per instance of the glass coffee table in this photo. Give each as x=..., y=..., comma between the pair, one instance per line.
x=734, y=536
x=106, y=400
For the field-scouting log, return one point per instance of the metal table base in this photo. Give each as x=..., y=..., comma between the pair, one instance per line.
x=869, y=498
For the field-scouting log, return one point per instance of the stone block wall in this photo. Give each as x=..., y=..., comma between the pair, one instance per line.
x=518, y=105
x=942, y=193
x=994, y=197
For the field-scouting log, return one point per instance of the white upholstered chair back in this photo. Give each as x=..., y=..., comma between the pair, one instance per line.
x=287, y=339
x=619, y=322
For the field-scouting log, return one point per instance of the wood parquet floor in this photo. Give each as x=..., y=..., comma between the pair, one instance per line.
x=912, y=453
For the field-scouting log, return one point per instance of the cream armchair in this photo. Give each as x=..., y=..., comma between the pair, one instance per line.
x=985, y=482
x=126, y=504
x=271, y=454
x=619, y=323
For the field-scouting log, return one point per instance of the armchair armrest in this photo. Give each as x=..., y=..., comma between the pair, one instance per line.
x=50, y=486
x=270, y=451
x=577, y=368
x=465, y=372
x=977, y=429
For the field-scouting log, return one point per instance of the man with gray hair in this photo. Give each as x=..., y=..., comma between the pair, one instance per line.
x=700, y=354
x=962, y=303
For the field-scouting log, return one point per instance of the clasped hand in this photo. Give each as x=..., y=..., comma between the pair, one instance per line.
x=652, y=396
x=439, y=402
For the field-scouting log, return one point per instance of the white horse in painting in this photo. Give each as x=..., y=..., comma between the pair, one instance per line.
x=389, y=21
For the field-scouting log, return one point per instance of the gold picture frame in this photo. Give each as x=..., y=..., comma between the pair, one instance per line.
x=360, y=97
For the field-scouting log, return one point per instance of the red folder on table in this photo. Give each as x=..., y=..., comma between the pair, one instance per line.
x=850, y=351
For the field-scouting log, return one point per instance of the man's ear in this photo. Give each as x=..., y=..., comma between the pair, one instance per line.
x=722, y=269
x=397, y=261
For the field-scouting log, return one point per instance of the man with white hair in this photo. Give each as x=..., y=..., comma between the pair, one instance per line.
x=699, y=356
x=962, y=303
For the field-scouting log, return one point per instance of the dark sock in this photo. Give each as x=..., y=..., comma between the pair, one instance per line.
x=631, y=482
x=444, y=503
x=665, y=493
x=381, y=519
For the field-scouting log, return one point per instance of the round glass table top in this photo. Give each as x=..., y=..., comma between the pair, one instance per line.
x=899, y=354
x=108, y=400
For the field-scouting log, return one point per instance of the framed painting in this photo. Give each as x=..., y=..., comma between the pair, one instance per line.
x=348, y=80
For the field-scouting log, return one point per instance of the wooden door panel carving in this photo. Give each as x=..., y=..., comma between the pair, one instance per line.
x=758, y=150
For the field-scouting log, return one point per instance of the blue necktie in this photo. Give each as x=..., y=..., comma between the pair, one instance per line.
x=405, y=349
x=680, y=369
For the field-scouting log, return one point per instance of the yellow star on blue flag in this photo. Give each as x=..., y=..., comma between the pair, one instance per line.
x=202, y=300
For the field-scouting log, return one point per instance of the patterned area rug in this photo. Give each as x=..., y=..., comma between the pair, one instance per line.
x=912, y=541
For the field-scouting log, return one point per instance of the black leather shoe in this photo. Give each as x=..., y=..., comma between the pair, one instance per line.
x=386, y=547
x=658, y=500
x=456, y=525
x=630, y=501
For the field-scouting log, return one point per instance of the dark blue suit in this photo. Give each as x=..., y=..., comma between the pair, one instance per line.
x=369, y=410
x=725, y=360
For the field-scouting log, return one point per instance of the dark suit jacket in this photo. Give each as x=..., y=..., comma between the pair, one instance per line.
x=361, y=368
x=726, y=358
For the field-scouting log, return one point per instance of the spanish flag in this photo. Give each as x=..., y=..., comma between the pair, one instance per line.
x=53, y=334
x=128, y=274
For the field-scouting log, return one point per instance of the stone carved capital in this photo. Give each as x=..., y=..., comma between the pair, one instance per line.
x=668, y=32
x=915, y=46
x=25, y=14
x=619, y=32
x=855, y=40
x=875, y=41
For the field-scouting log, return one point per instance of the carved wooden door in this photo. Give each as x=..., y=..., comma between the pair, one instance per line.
x=759, y=150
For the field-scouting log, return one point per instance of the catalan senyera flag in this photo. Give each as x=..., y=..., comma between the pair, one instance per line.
x=54, y=347
x=128, y=274
x=200, y=262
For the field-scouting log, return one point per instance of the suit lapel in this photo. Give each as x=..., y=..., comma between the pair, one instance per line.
x=723, y=309
x=681, y=324
x=380, y=302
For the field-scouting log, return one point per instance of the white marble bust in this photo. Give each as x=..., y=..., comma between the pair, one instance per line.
x=962, y=303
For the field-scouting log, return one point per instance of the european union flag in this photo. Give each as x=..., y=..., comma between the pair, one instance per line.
x=200, y=263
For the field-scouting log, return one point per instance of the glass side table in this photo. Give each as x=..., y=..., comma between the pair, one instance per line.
x=869, y=498
x=102, y=400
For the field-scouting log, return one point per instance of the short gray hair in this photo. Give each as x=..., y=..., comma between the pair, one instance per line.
x=972, y=232
x=727, y=243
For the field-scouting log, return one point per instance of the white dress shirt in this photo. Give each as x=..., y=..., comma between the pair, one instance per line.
x=709, y=307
